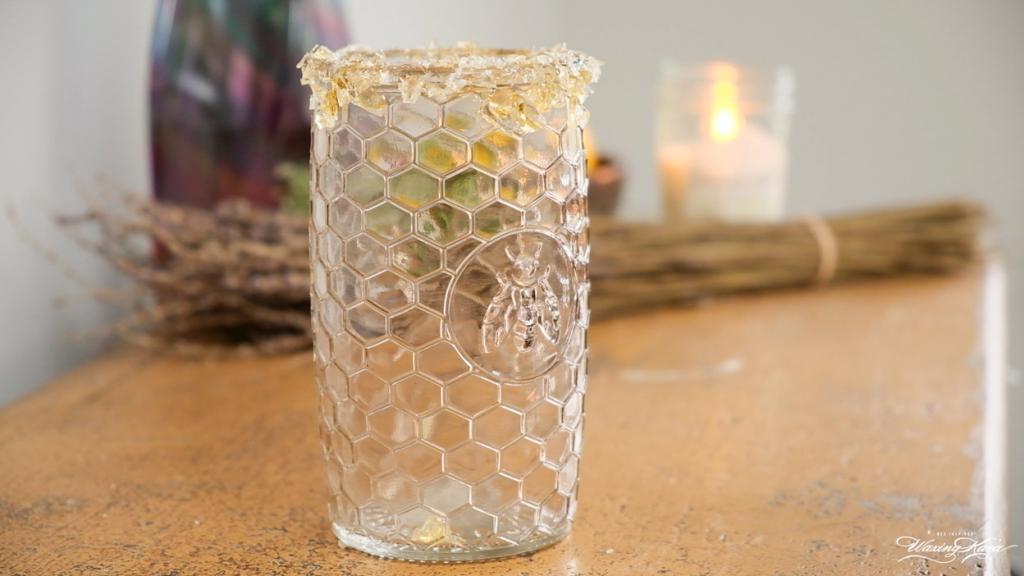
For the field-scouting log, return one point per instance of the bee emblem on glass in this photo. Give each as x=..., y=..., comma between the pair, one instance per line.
x=525, y=307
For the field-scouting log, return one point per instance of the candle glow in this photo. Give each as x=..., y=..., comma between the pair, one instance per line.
x=725, y=123
x=725, y=111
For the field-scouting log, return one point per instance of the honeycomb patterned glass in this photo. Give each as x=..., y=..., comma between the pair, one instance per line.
x=451, y=328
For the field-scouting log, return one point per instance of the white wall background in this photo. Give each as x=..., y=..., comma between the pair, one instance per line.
x=896, y=101
x=72, y=108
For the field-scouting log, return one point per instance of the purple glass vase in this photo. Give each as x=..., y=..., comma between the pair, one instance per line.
x=227, y=114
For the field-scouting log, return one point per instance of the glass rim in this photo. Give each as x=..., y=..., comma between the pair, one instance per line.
x=467, y=64
x=514, y=84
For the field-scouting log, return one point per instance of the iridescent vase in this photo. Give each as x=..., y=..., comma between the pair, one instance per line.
x=449, y=257
x=227, y=116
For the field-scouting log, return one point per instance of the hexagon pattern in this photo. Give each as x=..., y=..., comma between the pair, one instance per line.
x=424, y=450
x=441, y=152
x=391, y=151
x=415, y=118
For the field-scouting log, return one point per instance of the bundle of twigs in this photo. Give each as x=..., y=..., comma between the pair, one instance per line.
x=638, y=266
x=236, y=279
x=232, y=280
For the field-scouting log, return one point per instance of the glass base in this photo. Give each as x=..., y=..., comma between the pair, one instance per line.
x=382, y=549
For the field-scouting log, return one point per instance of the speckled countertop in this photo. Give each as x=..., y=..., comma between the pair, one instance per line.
x=798, y=433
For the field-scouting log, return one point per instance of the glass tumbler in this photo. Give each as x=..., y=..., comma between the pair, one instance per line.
x=449, y=251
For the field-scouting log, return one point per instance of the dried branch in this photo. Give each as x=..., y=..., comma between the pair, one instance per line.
x=235, y=280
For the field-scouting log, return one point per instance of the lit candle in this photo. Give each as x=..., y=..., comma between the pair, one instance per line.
x=732, y=169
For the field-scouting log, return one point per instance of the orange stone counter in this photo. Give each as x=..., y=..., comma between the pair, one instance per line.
x=796, y=433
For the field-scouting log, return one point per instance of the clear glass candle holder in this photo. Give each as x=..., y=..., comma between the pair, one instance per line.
x=722, y=141
x=449, y=251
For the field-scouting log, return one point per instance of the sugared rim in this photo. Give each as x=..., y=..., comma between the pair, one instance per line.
x=516, y=86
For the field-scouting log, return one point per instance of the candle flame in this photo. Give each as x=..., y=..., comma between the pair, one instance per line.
x=725, y=123
x=726, y=118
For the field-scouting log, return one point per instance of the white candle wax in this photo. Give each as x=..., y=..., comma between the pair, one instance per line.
x=742, y=179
